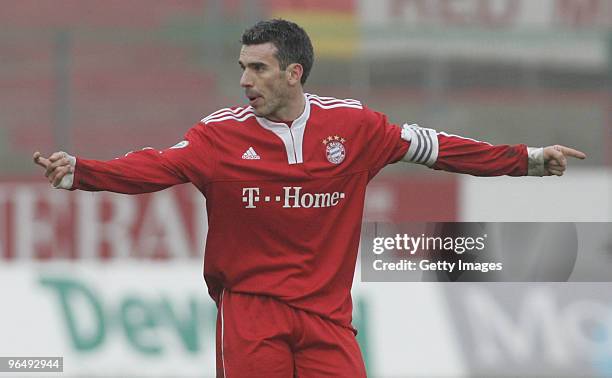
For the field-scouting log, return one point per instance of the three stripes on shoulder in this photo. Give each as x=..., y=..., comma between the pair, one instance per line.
x=332, y=102
x=240, y=114
x=237, y=114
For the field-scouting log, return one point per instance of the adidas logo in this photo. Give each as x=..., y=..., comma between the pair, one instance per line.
x=250, y=154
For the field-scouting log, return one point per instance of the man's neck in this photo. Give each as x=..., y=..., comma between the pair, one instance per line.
x=294, y=109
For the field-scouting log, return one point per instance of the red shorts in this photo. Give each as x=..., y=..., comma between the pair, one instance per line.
x=260, y=336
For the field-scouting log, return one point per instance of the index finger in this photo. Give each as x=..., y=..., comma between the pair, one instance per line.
x=571, y=152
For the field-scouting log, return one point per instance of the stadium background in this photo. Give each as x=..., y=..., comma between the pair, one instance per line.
x=113, y=283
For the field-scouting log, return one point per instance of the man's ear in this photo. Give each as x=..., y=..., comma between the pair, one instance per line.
x=294, y=73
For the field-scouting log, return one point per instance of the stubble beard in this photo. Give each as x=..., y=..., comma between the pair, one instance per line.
x=272, y=105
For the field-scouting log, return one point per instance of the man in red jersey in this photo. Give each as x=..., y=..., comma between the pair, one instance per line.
x=285, y=179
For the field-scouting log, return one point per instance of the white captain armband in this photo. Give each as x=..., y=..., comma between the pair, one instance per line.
x=423, y=145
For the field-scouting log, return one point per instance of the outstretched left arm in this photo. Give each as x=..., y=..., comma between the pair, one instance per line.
x=453, y=153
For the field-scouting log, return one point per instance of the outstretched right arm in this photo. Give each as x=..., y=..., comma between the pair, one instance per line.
x=144, y=171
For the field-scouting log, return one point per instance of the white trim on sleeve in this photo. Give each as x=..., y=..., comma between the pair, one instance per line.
x=423, y=145
x=68, y=179
x=222, y=331
x=535, y=165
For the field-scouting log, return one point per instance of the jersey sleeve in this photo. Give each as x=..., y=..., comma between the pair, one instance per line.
x=452, y=153
x=150, y=170
x=384, y=144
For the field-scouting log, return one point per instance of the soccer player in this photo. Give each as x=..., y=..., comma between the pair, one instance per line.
x=285, y=179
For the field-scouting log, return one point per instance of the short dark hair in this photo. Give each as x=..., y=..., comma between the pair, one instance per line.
x=291, y=41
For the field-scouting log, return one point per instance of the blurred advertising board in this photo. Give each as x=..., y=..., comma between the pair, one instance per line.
x=132, y=318
x=491, y=14
x=556, y=32
x=114, y=319
x=533, y=329
x=38, y=222
x=155, y=319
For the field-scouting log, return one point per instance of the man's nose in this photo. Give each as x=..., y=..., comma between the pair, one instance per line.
x=245, y=80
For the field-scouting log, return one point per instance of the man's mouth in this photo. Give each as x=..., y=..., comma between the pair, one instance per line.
x=253, y=99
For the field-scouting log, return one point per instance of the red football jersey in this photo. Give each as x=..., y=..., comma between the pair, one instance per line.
x=285, y=203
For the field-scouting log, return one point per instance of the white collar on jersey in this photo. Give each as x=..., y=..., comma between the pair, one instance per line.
x=293, y=136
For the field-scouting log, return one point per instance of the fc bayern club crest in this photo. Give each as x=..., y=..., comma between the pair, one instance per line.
x=334, y=149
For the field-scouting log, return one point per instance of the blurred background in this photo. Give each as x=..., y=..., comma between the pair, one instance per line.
x=113, y=283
